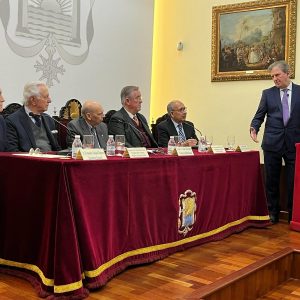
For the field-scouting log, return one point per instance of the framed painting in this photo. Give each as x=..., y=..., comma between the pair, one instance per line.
x=248, y=37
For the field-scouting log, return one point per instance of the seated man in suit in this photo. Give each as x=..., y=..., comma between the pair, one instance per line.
x=176, y=125
x=29, y=127
x=129, y=122
x=90, y=123
x=2, y=126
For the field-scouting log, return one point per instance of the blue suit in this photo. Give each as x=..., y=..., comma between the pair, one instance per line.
x=2, y=135
x=20, y=134
x=278, y=142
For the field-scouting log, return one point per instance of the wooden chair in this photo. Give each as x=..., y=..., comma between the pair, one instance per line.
x=71, y=110
x=67, y=113
x=10, y=108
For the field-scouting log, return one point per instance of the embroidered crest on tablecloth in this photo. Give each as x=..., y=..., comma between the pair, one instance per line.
x=187, y=212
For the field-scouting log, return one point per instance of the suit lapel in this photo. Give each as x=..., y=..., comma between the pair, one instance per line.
x=295, y=96
x=144, y=124
x=48, y=131
x=276, y=95
x=172, y=128
x=100, y=137
x=127, y=119
x=85, y=128
x=25, y=121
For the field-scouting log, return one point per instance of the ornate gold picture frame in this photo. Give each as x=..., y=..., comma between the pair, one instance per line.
x=248, y=37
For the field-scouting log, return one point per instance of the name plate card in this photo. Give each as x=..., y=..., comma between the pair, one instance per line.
x=139, y=152
x=217, y=149
x=242, y=148
x=91, y=154
x=183, y=151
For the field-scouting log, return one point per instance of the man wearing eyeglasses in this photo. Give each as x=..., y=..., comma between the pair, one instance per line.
x=29, y=127
x=176, y=125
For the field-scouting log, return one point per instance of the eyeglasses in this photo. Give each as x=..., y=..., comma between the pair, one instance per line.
x=182, y=109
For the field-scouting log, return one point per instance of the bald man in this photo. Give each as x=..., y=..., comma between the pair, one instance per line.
x=176, y=125
x=90, y=123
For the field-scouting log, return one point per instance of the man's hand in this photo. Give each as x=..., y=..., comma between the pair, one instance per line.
x=253, y=135
x=189, y=142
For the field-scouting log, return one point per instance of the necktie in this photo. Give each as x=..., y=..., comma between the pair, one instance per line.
x=181, y=133
x=285, y=107
x=37, y=119
x=136, y=120
x=96, y=142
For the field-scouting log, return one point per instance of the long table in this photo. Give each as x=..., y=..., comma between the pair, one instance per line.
x=295, y=222
x=69, y=226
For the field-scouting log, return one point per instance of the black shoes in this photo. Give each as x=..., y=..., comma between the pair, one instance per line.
x=274, y=219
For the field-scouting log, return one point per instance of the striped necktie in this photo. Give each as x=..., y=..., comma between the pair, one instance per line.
x=96, y=141
x=136, y=120
x=181, y=133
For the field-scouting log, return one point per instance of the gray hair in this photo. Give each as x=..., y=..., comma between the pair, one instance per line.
x=281, y=64
x=126, y=91
x=31, y=89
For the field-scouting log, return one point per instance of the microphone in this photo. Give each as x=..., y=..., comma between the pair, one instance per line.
x=63, y=125
x=139, y=132
x=188, y=124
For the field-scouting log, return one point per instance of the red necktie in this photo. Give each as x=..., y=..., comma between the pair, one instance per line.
x=136, y=120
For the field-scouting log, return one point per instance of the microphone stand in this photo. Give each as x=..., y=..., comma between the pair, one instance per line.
x=193, y=127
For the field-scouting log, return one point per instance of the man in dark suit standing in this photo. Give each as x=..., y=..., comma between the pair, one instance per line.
x=176, y=125
x=29, y=127
x=281, y=105
x=2, y=126
x=89, y=123
x=129, y=122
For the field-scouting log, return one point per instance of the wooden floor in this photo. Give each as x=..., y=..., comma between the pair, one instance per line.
x=178, y=275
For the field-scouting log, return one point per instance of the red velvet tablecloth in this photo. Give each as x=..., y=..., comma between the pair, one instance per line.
x=69, y=226
x=295, y=223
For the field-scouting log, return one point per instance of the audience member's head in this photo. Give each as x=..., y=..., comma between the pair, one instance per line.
x=36, y=97
x=131, y=99
x=92, y=112
x=177, y=111
x=1, y=100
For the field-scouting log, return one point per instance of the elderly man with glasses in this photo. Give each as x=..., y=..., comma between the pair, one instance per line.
x=176, y=125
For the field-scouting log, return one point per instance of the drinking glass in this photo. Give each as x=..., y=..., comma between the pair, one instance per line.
x=209, y=140
x=120, y=144
x=88, y=142
x=231, y=142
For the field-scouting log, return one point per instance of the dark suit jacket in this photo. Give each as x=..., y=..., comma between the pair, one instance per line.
x=276, y=136
x=20, y=135
x=79, y=126
x=3, y=140
x=119, y=124
x=166, y=128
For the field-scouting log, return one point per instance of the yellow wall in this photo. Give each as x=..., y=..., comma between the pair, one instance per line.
x=216, y=108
